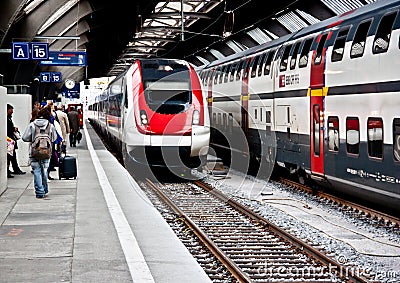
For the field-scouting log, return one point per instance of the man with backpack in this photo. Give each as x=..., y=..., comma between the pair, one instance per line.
x=41, y=134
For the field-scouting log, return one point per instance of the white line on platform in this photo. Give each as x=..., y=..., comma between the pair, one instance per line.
x=138, y=267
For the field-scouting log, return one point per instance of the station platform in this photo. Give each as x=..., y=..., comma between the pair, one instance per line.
x=99, y=227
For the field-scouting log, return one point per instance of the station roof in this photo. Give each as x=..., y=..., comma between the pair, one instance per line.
x=115, y=33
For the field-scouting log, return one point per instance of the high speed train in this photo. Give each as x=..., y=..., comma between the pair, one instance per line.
x=323, y=103
x=155, y=114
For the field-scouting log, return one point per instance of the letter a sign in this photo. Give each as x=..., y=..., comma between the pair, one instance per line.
x=20, y=51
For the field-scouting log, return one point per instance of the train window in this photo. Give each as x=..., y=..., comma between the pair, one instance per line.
x=320, y=49
x=284, y=59
x=221, y=75
x=230, y=122
x=255, y=113
x=358, y=46
x=303, y=61
x=227, y=70
x=254, y=67
x=261, y=64
x=206, y=78
x=224, y=121
x=216, y=75
x=317, y=132
x=245, y=68
x=375, y=137
x=340, y=42
x=396, y=139
x=239, y=70
x=267, y=67
x=382, y=36
x=261, y=115
x=268, y=117
x=294, y=55
x=211, y=76
x=214, y=118
x=352, y=135
x=333, y=134
x=232, y=72
x=219, y=119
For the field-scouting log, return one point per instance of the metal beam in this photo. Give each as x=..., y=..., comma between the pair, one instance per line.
x=154, y=39
x=163, y=15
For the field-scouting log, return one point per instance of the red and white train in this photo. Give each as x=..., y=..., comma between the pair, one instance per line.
x=323, y=102
x=155, y=114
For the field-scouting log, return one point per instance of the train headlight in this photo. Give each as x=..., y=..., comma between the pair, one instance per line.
x=143, y=117
x=196, y=117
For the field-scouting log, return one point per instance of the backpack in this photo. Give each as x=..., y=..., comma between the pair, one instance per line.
x=41, y=145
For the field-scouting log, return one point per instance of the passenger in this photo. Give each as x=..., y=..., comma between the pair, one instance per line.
x=54, y=153
x=12, y=133
x=37, y=105
x=34, y=113
x=62, y=119
x=35, y=110
x=73, y=118
x=40, y=167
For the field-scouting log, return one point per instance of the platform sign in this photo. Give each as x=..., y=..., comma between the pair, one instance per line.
x=40, y=50
x=65, y=58
x=20, y=51
x=45, y=77
x=56, y=77
x=50, y=77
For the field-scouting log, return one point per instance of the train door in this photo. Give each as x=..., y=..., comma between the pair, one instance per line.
x=317, y=131
x=245, y=96
x=317, y=98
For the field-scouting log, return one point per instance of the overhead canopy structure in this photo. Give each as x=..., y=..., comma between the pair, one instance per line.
x=113, y=34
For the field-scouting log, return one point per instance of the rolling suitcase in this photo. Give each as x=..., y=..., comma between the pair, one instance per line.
x=67, y=167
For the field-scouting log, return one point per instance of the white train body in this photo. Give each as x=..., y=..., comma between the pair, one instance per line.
x=327, y=107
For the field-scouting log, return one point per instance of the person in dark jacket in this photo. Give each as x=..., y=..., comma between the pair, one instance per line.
x=73, y=118
x=40, y=167
x=11, y=130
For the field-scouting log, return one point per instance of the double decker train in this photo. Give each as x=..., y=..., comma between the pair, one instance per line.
x=155, y=114
x=323, y=103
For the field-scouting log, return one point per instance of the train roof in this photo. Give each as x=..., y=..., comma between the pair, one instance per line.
x=149, y=60
x=364, y=10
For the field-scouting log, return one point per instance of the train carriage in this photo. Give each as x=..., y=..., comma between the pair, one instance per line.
x=322, y=102
x=155, y=114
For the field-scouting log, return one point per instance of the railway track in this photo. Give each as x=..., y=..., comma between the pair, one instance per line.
x=249, y=246
x=259, y=264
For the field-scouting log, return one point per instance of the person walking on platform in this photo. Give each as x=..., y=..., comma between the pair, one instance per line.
x=35, y=110
x=11, y=133
x=40, y=166
x=62, y=119
x=73, y=118
x=58, y=141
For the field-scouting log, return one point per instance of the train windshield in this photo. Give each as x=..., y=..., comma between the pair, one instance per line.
x=168, y=97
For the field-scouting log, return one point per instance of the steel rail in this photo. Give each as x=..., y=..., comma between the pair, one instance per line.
x=225, y=260
x=309, y=250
